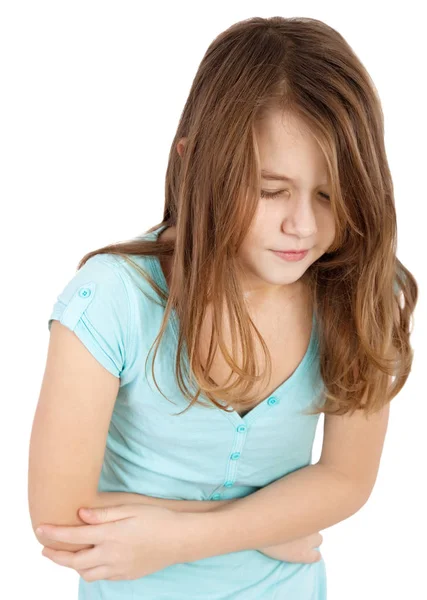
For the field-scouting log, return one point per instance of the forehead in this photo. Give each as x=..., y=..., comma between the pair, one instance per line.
x=288, y=151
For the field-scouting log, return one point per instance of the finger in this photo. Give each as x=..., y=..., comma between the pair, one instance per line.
x=101, y=572
x=316, y=556
x=104, y=514
x=60, y=557
x=77, y=534
x=88, y=558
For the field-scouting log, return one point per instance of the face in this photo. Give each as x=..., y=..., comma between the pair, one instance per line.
x=297, y=217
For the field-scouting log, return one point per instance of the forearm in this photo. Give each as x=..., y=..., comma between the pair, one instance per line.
x=191, y=506
x=305, y=501
x=116, y=498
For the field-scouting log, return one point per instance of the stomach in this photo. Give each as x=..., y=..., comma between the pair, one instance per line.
x=245, y=575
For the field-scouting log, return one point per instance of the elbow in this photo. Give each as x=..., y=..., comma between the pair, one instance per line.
x=362, y=491
x=355, y=494
x=65, y=516
x=53, y=500
x=360, y=495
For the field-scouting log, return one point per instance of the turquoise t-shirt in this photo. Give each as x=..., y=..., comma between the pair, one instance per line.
x=202, y=454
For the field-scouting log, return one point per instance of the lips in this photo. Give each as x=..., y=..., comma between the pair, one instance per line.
x=291, y=256
x=293, y=251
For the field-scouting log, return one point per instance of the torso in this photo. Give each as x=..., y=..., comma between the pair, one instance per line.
x=285, y=326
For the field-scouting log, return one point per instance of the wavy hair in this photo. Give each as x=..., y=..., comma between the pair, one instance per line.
x=363, y=296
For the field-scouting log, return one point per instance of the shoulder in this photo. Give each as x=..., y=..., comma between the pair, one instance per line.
x=95, y=303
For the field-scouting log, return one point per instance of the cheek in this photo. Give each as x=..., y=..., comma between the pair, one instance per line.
x=326, y=225
x=246, y=253
x=252, y=255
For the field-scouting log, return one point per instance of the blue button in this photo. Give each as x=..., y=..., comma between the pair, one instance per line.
x=228, y=484
x=216, y=496
x=235, y=455
x=84, y=292
x=273, y=400
x=241, y=428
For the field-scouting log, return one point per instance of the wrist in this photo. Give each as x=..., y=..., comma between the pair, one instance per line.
x=194, y=527
x=205, y=534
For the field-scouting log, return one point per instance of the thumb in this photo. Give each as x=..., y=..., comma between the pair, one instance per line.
x=103, y=514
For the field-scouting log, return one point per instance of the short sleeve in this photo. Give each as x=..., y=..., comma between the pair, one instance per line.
x=96, y=306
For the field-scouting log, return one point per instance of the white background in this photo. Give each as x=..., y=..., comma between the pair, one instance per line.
x=91, y=94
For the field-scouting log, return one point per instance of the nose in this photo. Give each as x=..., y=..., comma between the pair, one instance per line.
x=300, y=219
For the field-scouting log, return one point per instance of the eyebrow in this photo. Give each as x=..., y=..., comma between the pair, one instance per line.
x=276, y=177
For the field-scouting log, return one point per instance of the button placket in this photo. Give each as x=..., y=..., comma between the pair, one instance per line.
x=234, y=457
x=241, y=430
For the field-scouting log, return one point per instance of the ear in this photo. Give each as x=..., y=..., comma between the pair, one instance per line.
x=181, y=145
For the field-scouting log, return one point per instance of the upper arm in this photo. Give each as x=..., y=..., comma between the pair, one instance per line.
x=86, y=356
x=352, y=446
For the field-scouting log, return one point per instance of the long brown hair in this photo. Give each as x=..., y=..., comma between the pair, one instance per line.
x=363, y=296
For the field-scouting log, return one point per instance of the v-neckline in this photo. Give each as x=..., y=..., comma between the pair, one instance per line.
x=272, y=398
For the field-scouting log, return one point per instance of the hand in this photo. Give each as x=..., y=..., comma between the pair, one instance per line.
x=130, y=541
x=301, y=550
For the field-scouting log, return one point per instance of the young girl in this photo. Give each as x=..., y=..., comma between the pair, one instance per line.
x=187, y=368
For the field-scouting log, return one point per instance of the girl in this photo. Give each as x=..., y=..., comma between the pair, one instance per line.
x=187, y=368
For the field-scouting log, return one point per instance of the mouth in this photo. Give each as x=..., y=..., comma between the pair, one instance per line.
x=296, y=251
x=290, y=255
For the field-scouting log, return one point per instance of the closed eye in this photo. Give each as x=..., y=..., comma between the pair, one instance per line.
x=265, y=194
